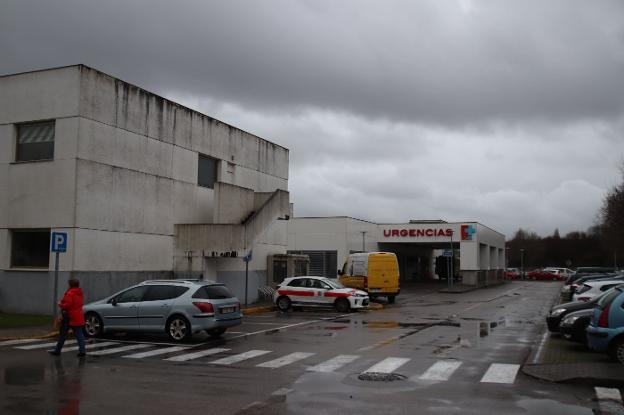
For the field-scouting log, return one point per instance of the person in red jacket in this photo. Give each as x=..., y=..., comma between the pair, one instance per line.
x=73, y=317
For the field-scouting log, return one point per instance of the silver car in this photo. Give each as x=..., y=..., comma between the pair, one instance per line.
x=177, y=307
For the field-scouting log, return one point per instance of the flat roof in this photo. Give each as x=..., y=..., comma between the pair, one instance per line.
x=82, y=65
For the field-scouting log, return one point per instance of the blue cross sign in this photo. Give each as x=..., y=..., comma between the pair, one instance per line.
x=59, y=242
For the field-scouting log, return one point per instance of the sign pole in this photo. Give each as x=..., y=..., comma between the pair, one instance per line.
x=55, y=294
x=452, y=259
x=246, y=280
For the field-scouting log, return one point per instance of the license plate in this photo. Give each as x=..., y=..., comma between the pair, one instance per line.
x=226, y=310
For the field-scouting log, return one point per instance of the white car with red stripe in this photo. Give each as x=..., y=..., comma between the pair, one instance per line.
x=308, y=291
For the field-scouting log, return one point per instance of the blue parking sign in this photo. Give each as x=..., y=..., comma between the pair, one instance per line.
x=59, y=242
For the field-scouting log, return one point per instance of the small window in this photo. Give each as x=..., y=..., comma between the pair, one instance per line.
x=30, y=248
x=296, y=282
x=164, y=292
x=35, y=141
x=213, y=292
x=207, y=171
x=133, y=295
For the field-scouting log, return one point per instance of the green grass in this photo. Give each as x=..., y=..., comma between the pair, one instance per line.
x=10, y=321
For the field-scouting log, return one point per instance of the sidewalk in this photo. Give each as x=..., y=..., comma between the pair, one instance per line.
x=27, y=332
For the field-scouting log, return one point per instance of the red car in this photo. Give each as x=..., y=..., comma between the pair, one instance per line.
x=545, y=274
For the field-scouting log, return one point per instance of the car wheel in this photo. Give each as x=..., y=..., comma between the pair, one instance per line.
x=93, y=325
x=617, y=350
x=391, y=299
x=283, y=303
x=215, y=332
x=342, y=305
x=179, y=329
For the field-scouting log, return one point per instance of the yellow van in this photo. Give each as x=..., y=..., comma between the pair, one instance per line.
x=374, y=272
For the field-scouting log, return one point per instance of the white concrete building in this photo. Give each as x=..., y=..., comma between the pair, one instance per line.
x=479, y=252
x=144, y=188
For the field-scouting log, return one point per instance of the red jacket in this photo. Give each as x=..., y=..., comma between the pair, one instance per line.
x=72, y=305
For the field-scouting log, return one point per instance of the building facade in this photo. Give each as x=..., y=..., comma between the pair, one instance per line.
x=144, y=188
x=478, y=252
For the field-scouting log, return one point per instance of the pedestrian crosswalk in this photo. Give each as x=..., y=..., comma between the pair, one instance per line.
x=437, y=371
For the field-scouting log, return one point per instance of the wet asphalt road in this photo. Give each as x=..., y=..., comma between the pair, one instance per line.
x=308, y=362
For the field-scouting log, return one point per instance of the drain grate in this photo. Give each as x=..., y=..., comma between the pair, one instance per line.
x=381, y=377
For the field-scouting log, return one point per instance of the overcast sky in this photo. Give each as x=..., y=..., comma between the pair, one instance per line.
x=510, y=113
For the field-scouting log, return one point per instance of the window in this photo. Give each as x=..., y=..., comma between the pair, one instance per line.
x=297, y=283
x=35, y=141
x=207, y=171
x=164, y=292
x=30, y=248
x=213, y=292
x=133, y=295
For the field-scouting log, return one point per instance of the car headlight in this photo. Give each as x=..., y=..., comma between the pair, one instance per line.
x=557, y=312
x=568, y=321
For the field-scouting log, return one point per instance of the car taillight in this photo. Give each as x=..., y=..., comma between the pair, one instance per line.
x=204, y=307
x=603, y=321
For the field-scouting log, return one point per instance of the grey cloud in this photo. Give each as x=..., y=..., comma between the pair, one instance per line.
x=430, y=61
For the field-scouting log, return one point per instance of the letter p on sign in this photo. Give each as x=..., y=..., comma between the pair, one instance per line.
x=59, y=242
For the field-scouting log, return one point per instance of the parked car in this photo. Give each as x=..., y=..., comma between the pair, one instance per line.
x=585, y=271
x=573, y=325
x=568, y=290
x=308, y=291
x=176, y=307
x=561, y=273
x=558, y=312
x=546, y=274
x=512, y=273
x=605, y=332
x=590, y=289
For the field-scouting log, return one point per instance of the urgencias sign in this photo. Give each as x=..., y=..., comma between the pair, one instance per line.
x=416, y=233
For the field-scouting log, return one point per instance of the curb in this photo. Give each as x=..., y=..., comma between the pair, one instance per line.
x=258, y=310
x=43, y=336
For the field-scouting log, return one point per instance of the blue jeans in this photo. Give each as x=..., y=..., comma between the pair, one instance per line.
x=63, y=335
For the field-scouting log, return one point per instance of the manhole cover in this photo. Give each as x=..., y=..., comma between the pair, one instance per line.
x=380, y=377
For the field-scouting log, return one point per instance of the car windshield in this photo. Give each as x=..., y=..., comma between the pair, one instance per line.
x=334, y=284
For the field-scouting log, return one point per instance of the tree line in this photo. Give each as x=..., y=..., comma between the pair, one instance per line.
x=600, y=245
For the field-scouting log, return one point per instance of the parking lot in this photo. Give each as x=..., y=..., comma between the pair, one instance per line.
x=426, y=347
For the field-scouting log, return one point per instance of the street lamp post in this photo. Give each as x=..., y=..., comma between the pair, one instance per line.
x=522, y=262
x=363, y=241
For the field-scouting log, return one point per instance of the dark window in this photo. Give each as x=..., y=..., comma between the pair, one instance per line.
x=35, y=141
x=207, y=171
x=163, y=292
x=132, y=295
x=296, y=282
x=30, y=248
x=213, y=292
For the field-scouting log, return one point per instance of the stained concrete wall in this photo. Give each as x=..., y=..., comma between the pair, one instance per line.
x=232, y=204
x=124, y=172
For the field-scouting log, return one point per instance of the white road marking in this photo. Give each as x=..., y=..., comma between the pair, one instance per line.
x=42, y=345
x=500, y=373
x=388, y=365
x=286, y=360
x=19, y=341
x=333, y=363
x=88, y=346
x=156, y=352
x=288, y=326
x=196, y=355
x=538, y=355
x=609, y=400
x=119, y=349
x=441, y=370
x=240, y=357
